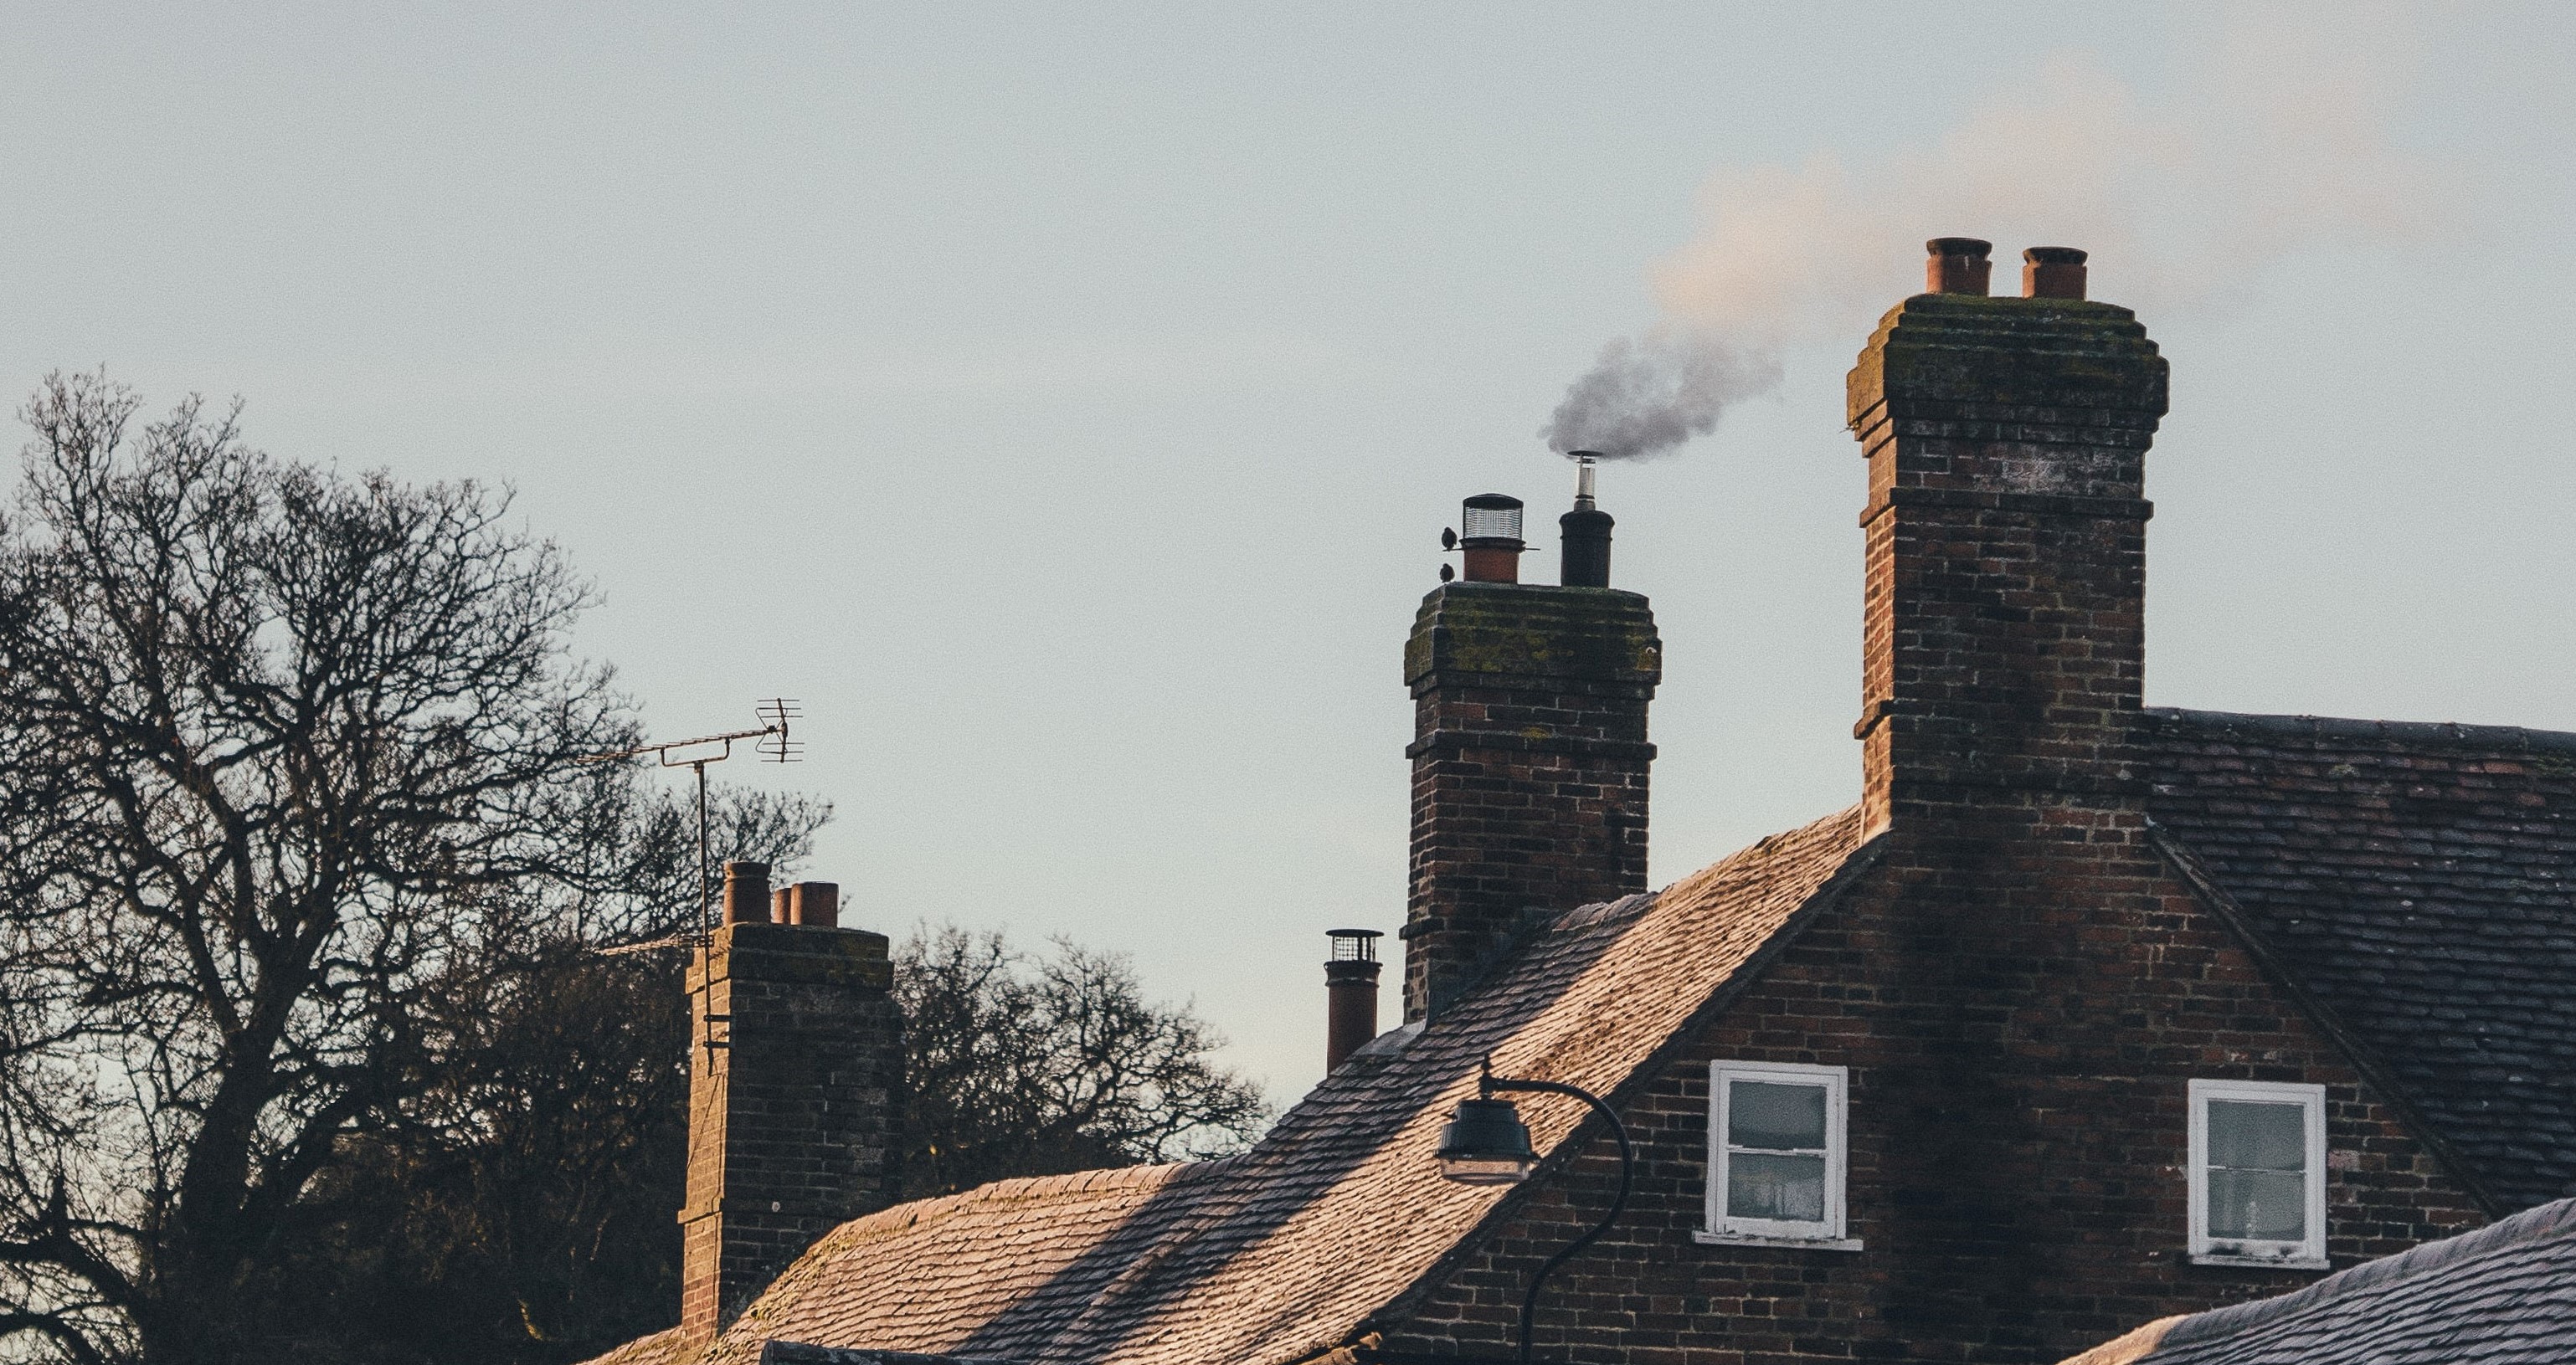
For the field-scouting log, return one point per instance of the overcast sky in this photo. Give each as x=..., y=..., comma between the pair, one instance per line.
x=1065, y=401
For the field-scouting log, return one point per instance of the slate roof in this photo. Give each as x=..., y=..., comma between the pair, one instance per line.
x=2415, y=881
x=2502, y=1295
x=1286, y=1250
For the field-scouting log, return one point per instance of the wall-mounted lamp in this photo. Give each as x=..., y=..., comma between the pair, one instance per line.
x=1487, y=1144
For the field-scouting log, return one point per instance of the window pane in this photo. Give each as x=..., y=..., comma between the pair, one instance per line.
x=1779, y=1117
x=2271, y=1205
x=1785, y=1187
x=2248, y=1136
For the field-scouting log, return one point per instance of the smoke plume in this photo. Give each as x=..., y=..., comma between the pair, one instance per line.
x=2273, y=139
x=1646, y=396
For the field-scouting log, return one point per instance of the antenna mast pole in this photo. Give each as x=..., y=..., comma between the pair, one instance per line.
x=705, y=883
x=774, y=744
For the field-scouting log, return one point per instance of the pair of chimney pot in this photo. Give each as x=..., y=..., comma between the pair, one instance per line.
x=1958, y=265
x=748, y=899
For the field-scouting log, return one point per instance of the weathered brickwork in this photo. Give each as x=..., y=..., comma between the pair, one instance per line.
x=790, y=1117
x=2019, y=1038
x=1529, y=767
x=2004, y=627
x=2050, y=911
x=2022, y=989
x=2422, y=880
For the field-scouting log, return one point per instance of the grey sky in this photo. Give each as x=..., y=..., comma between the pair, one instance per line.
x=1065, y=401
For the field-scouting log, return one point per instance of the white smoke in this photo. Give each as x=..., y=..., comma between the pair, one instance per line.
x=2276, y=141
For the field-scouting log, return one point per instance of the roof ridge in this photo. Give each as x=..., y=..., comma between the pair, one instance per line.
x=2546, y=1223
x=2310, y=727
x=1716, y=872
x=907, y=1214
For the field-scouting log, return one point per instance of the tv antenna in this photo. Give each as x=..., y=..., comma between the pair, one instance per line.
x=771, y=741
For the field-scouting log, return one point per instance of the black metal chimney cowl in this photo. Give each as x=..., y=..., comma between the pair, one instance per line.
x=1585, y=562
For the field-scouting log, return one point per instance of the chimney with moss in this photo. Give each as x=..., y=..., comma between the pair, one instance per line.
x=1529, y=752
x=2004, y=638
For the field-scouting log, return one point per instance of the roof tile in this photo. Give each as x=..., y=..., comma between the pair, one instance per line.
x=1287, y=1249
x=2405, y=874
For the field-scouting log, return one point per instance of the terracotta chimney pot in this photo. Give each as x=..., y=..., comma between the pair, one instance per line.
x=1958, y=265
x=746, y=892
x=815, y=905
x=2052, y=272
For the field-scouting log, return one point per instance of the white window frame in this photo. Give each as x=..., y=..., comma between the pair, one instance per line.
x=2309, y=1252
x=1826, y=1234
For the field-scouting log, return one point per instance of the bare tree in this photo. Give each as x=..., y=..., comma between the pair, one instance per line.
x=1036, y=1066
x=520, y=1211
x=284, y=772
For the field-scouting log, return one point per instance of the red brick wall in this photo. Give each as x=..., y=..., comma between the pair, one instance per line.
x=2021, y=989
x=791, y=1122
x=1529, y=767
x=2020, y=1020
x=2004, y=630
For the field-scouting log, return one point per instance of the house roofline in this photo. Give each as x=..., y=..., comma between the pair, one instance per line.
x=2328, y=729
x=2374, y=1073
x=1863, y=856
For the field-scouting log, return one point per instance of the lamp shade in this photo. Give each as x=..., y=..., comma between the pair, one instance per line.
x=1486, y=1144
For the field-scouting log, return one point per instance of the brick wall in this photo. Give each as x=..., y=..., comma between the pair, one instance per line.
x=2004, y=629
x=2020, y=986
x=791, y=1120
x=1529, y=766
x=2020, y=1034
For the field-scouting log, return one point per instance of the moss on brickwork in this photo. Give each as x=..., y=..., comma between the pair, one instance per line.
x=1530, y=630
x=2008, y=352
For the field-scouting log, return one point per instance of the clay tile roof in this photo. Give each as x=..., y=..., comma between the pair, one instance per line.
x=2502, y=1295
x=2418, y=882
x=1288, y=1249
x=666, y=1347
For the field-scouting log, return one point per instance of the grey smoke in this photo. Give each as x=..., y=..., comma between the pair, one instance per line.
x=1646, y=396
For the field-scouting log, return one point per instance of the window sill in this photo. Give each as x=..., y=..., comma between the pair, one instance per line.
x=2262, y=1262
x=1746, y=1239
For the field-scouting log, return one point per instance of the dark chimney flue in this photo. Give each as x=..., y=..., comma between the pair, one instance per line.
x=746, y=892
x=1350, y=994
x=1491, y=523
x=1958, y=265
x=2052, y=272
x=1586, y=533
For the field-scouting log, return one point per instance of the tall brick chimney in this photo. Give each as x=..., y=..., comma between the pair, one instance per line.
x=2004, y=640
x=796, y=1060
x=1529, y=765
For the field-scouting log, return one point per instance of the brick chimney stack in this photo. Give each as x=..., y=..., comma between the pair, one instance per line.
x=2004, y=640
x=1529, y=765
x=795, y=1062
